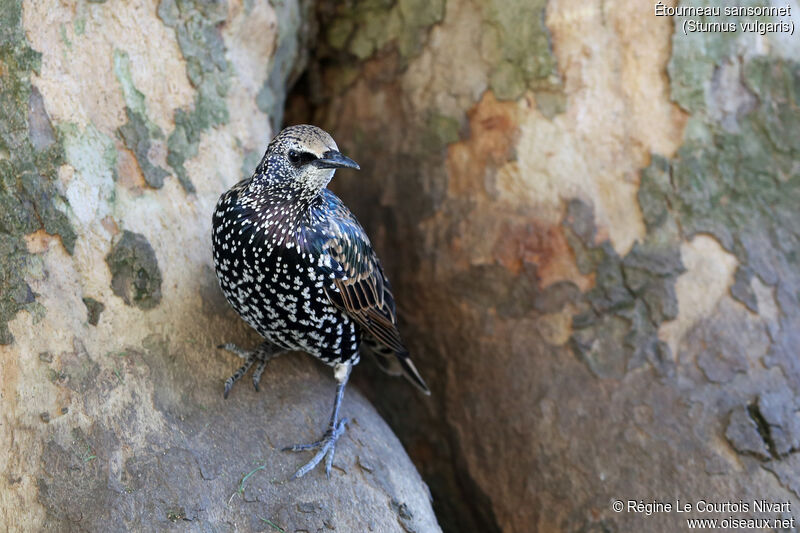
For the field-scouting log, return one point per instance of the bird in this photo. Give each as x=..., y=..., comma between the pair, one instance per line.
x=296, y=265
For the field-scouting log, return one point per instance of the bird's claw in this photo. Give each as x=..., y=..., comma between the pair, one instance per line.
x=262, y=354
x=327, y=449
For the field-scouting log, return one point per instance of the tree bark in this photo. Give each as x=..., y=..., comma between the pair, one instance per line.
x=122, y=123
x=589, y=219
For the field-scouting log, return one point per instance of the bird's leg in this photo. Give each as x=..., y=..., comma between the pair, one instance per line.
x=336, y=427
x=262, y=354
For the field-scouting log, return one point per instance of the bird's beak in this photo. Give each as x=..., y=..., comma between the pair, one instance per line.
x=334, y=159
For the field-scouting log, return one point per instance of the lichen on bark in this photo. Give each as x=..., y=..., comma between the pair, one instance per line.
x=30, y=154
x=365, y=27
x=135, y=276
x=743, y=188
x=137, y=133
x=196, y=27
x=616, y=327
x=517, y=45
x=734, y=178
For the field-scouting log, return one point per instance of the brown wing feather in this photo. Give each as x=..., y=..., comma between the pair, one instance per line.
x=363, y=292
x=366, y=297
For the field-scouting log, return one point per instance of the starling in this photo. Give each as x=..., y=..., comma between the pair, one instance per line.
x=297, y=266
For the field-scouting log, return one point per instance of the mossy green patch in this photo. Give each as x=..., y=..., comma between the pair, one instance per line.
x=196, y=25
x=516, y=43
x=79, y=26
x=364, y=27
x=743, y=187
x=88, y=149
x=134, y=98
x=441, y=130
x=139, y=131
x=64, y=38
x=737, y=179
x=30, y=155
x=135, y=276
x=93, y=155
x=137, y=137
x=697, y=56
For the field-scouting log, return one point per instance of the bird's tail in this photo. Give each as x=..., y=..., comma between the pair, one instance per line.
x=394, y=363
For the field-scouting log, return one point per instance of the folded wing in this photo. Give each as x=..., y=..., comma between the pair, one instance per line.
x=361, y=289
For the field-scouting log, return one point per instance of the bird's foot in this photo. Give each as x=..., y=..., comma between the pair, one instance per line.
x=326, y=446
x=260, y=355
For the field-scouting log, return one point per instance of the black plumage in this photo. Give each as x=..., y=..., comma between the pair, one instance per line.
x=297, y=266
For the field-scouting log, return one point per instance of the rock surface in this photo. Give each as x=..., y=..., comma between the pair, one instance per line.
x=122, y=124
x=587, y=219
x=217, y=465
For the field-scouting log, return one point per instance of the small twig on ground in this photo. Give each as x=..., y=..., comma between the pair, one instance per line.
x=240, y=490
x=273, y=524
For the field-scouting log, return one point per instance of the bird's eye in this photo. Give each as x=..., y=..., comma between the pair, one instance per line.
x=299, y=159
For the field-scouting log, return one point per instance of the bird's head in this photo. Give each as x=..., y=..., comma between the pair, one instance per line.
x=300, y=161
